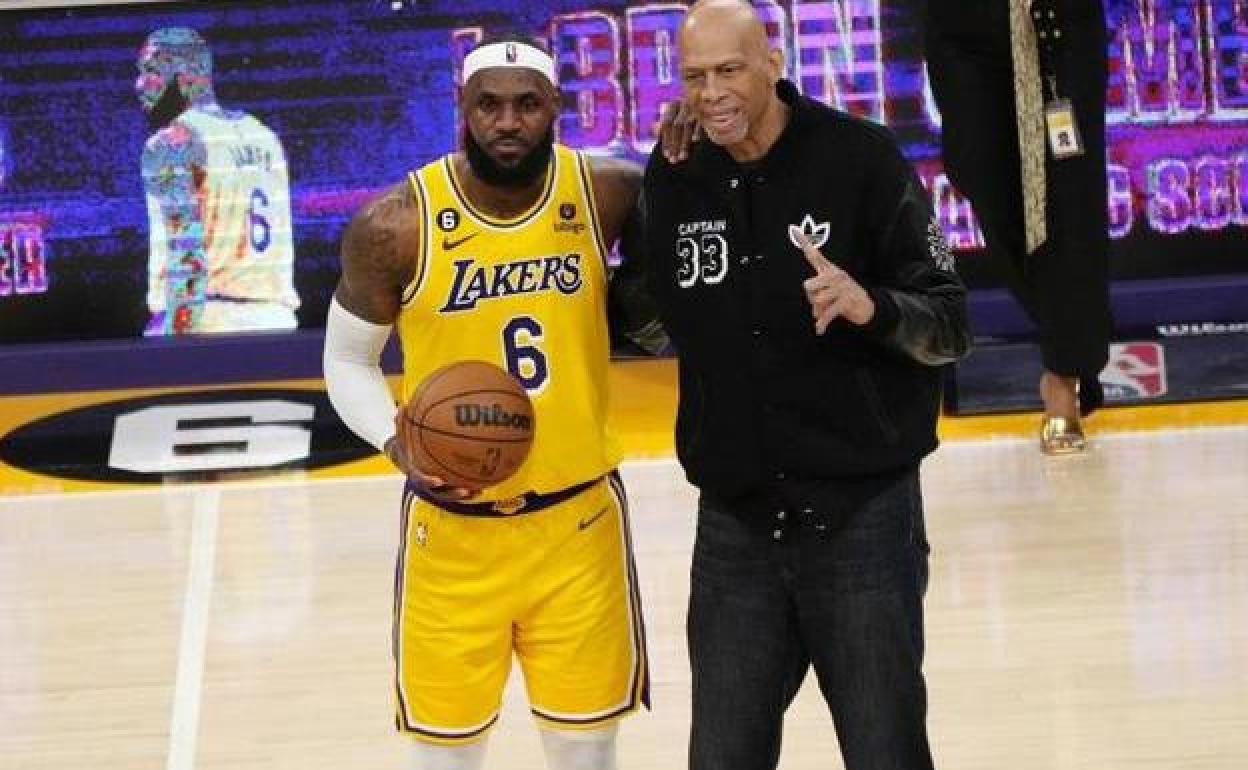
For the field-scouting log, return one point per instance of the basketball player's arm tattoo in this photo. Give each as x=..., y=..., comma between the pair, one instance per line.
x=379, y=249
x=379, y=252
x=171, y=163
x=631, y=311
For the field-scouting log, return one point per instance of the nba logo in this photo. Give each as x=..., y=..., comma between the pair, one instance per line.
x=567, y=211
x=1135, y=370
x=511, y=53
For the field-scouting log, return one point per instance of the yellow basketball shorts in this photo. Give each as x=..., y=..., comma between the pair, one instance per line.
x=554, y=587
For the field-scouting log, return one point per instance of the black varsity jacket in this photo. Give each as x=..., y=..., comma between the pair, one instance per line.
x=762, y=397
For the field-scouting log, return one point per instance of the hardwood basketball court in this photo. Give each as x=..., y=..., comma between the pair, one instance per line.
x=1084, y=613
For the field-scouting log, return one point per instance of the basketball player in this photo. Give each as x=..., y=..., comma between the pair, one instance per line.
x=498, y=253
x=218, y=200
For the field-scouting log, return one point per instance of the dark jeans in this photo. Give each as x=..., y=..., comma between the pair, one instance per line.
x=773, y=594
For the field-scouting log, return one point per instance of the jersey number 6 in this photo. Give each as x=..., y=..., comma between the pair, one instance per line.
x=261, y=231
x=525, y=361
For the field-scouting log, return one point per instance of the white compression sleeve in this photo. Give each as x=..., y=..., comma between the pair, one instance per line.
x=352, y=363
x=580, y=749
x=429, y=756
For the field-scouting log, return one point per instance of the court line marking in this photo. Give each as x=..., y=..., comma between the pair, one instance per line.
x=189, y=682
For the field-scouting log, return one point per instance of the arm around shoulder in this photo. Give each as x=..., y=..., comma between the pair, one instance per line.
x=631, y=310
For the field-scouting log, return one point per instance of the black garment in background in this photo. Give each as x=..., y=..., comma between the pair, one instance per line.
x=1064, y=285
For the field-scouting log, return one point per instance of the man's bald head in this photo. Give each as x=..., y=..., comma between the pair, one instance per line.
x=729, y=72
x=731, y=17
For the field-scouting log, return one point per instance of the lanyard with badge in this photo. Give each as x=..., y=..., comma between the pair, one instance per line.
x=1059, y=111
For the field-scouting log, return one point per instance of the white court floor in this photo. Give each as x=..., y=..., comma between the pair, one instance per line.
x=1085, y=613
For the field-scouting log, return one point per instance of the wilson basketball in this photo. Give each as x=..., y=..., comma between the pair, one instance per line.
x=470, y=424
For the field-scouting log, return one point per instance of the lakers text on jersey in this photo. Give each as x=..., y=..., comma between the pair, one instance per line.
x=528, y=294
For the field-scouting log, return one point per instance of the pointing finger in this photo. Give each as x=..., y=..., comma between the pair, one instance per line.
x=815, y=257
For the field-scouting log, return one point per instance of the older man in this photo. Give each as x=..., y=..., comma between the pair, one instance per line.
x=808, y=289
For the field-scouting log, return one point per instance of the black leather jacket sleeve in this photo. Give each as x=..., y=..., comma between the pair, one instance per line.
x=920, y=301
x=631, y=310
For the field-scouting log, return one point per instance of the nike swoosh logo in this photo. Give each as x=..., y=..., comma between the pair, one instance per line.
x=584, y=524
x=448, y=244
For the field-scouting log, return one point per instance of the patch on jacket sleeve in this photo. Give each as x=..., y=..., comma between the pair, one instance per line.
x=938, y=246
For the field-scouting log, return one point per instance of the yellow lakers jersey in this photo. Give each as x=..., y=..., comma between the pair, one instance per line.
x=527, y=294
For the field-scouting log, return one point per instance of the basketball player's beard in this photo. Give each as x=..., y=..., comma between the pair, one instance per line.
x=528, y=170
x=170, y=105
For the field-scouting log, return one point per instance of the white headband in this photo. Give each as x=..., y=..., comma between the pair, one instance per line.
x=509, y=55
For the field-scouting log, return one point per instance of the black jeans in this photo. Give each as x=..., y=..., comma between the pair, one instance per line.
x=776, y=591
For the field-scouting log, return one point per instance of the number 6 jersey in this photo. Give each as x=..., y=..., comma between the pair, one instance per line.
x=243, y=193
x=528, y=294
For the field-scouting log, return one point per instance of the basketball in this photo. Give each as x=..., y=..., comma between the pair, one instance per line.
x=470, y=424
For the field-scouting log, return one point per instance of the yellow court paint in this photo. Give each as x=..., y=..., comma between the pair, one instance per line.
x=643, y=405
x=1113, y=419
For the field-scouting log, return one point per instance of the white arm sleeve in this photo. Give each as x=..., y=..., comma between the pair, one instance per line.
x=357, y=387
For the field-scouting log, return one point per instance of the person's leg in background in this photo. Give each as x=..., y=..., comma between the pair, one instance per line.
x=1072, y=270
x=1063, y=285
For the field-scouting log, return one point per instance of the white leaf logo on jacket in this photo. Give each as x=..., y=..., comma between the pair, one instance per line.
x=817, y=234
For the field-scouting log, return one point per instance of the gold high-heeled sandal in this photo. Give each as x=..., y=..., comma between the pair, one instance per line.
x=1061, y=436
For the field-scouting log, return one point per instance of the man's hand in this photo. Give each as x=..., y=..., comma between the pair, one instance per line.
x=432, y=484
x=833, y=293
x=677, y=130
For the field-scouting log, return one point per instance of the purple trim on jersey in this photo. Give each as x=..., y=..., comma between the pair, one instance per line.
x=400, y=716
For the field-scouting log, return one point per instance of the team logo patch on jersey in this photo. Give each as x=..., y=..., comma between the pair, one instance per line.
x=475, y=283
x=567, y=213
x=1135, y=370
x=817, y=234
x=448, y=219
